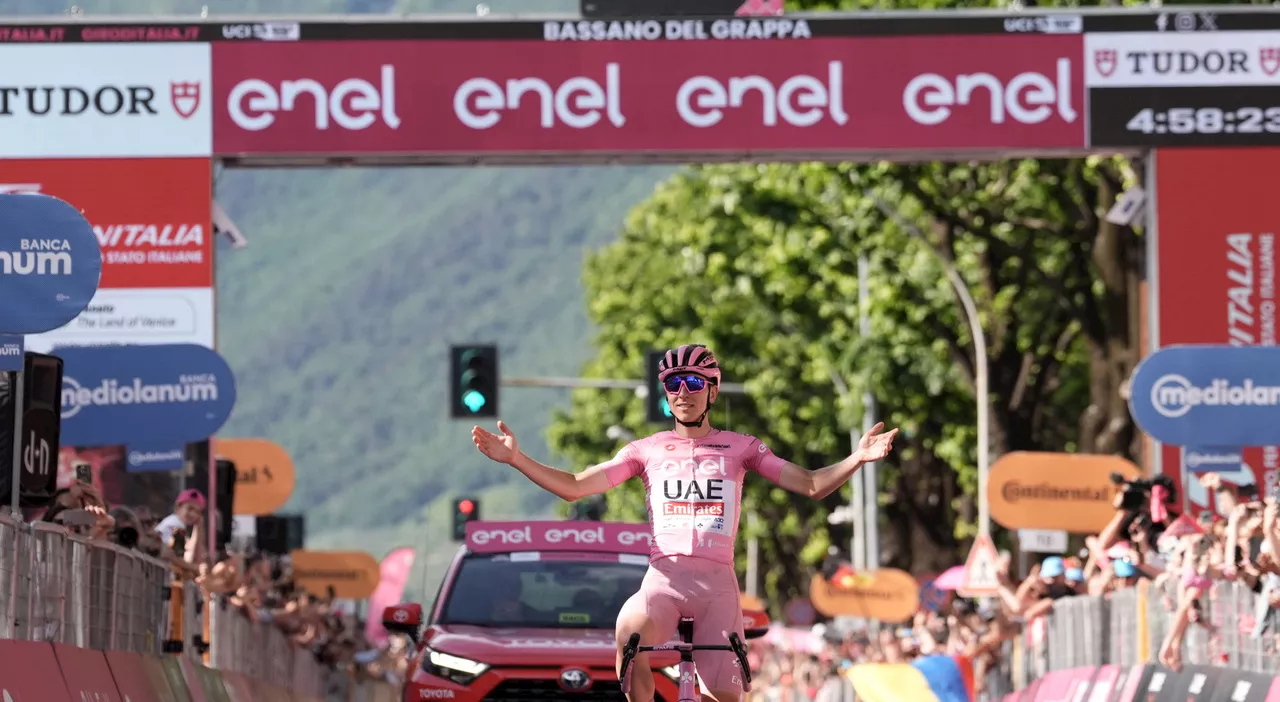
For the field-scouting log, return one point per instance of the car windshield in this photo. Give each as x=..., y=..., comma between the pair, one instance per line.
x=554, y=591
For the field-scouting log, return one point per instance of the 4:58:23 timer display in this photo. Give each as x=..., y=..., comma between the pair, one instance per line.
x=1206, y=120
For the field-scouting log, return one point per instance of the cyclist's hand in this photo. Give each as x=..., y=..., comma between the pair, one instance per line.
x=502, y=449
x=874, y=446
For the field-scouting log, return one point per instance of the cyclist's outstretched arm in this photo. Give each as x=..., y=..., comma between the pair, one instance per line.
x=504, y=448
x=823, y=481
x=817, y=483
x=563, y=484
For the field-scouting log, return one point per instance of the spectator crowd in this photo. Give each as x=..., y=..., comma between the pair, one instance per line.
x=1183, y=564
x=1205, y=576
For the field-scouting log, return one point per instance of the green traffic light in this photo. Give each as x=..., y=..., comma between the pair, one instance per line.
x=473, y=400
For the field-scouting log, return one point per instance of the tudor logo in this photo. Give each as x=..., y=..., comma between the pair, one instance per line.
x=1105, y=60
x=574, y=679
x=1269, y=59
x=185, y=96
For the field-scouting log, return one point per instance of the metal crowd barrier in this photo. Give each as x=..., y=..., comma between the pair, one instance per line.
x=260, y=650
x=1233, y=628
x=62, y=588
x=67, y=589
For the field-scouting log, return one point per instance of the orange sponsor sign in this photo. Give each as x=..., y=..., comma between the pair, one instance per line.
x=888, y=595
x=1068, y=491
x=264, y=474
x=752, y=602
x=353, y=575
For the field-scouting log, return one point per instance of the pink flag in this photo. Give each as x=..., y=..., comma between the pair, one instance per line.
x=395, y=573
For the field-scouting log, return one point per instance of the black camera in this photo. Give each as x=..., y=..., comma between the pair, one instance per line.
x=126, y=537
x=1135, y=494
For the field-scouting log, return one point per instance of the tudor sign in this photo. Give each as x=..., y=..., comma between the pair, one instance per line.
x=511, y=97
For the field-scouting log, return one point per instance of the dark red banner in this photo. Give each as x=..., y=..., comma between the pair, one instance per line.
x=838, y=96
x=1216, y=265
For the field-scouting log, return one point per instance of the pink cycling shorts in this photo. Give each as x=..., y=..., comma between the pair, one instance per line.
x=706, y=591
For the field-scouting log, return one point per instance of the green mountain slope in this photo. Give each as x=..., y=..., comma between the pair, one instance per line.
x=338, y=316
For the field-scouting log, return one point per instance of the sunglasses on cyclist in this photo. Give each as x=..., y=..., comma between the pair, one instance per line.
x=694, y=383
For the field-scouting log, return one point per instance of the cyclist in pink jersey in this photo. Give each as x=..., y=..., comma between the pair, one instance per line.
x=693, y=487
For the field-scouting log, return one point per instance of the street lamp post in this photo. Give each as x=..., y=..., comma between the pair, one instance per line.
x=870, y=476
x=980, y=359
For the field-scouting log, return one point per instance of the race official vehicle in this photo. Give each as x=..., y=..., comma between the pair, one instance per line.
x=527, y=612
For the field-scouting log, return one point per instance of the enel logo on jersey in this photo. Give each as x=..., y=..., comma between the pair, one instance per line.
x=709, y=466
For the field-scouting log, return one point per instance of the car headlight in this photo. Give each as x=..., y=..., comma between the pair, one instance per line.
x=454, y=668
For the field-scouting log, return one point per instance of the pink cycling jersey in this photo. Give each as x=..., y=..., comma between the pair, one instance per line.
x=693, y=488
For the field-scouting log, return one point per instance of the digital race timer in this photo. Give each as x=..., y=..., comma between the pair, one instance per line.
x=1185, y=116
x=1206, y=120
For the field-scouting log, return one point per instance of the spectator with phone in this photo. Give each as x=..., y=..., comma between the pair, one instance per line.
x=80, y=508
x=185, y=522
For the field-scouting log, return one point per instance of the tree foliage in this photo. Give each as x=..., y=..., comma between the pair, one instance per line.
x=760, y=262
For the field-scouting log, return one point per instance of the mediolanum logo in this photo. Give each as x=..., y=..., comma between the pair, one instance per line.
x=37, y=257
x=1174, y=396
x=187, y=389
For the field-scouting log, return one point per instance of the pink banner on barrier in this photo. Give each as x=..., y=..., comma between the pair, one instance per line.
x=1064, y=685
x=395, y=573
x=29, y=673
x=86, y=674
x=1106, y=680
x=192, y=678
x=132, y=680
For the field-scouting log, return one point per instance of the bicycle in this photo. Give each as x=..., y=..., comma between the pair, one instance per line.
x=686, y=647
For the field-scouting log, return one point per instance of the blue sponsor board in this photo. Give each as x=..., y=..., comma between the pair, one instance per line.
x=163, y=396
x=50, y=263
x=1212, y=460
x=12, y=353
x=1209, y=395
x=141, y=460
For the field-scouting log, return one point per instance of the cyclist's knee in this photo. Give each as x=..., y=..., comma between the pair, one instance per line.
x=636, y=623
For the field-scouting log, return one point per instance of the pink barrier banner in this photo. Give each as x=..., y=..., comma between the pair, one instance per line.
x=395, y=573
x=607, y=537
x=1063, y=685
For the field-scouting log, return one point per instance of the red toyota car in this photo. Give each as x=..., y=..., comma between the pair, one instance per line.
x=526, y=612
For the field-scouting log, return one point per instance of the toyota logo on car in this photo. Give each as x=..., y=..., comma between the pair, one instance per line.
x=575, y=679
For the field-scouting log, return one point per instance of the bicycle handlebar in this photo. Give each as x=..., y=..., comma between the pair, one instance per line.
x=736, y=646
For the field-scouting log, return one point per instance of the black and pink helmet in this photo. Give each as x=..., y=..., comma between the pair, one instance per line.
x=690, y=358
